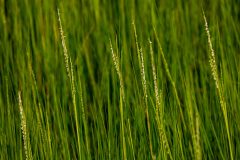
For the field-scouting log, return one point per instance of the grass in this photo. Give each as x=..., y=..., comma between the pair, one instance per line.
x=27, y=145
x=213, y=65
x=122, y=99
x=119, y=80
x=69, y=68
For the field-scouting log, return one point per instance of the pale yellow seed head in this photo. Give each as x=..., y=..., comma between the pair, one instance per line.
x=117, y=67
x=27, y=147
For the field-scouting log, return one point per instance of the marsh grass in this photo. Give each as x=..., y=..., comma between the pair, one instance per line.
x=85, y=96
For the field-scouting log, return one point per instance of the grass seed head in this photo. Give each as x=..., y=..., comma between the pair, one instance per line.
x=27, y=147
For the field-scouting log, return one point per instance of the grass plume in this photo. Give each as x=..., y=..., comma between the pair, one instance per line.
x=213, y=65
x=26, y=140
x=165, y=64
x=117, y=68
x=69, y=68
x=144, y=85
x=158, y=108
x=122, y=98
x=198, y=152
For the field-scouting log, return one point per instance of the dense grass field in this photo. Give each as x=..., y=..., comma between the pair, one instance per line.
x=127, y=79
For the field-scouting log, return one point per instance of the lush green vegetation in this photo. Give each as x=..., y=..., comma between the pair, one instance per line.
x=127, y=79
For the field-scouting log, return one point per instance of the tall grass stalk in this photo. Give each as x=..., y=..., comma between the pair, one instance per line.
x=213, y=65
x=158, y=108
x=69, y=68
x=165, y=64
x=141, y=65
x=144, y=85
x=84, y=121
x=38, y=111
x=122, y=98
x=198, y=152
x=130, y=138
x=195, y=132
x=26, y=140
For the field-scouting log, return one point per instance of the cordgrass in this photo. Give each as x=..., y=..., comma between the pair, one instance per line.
x=121, y=79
